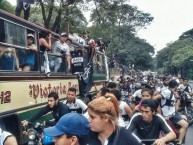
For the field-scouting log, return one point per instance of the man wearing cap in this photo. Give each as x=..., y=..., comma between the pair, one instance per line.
x=168, y=107
x=28, y=60
x=61, y=48
x=148, y=124
x=71, y=129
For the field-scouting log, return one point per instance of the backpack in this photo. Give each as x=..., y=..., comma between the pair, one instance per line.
x=169, y=102
x=186, y=89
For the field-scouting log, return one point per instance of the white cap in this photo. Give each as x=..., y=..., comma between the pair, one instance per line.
x=63, y=34
x=30, y=35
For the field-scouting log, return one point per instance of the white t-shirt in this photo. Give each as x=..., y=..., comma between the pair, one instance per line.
x=3, y=136
x=122, y=108
x=162, y=88
x=137, y=94
x=167, y=110
x=182, y=88
x=77, y=106
x=61, y=49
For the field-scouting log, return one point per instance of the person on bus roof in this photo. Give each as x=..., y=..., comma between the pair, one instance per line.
x=57, y=108
x=25, y=6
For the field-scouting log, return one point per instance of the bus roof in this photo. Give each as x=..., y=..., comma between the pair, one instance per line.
x=23, y=21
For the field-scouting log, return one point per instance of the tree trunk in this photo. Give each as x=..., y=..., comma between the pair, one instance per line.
x=47, y=20
x=57, y=22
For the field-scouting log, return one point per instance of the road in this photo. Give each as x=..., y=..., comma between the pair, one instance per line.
x=189, y=135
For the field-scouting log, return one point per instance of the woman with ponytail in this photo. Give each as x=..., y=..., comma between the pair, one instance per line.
x=103, y=120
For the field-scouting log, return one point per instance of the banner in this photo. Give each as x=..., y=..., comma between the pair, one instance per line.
x=85, y=79
x=77, y=62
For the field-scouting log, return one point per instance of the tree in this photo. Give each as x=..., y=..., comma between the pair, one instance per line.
x=56, y=14
x=176, y=55
x=5, y=5
x=118, y=23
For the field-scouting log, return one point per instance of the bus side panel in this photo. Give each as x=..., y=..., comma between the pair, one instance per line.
x=21, y=94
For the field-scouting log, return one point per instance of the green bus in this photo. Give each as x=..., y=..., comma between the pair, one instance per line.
x=23, y=93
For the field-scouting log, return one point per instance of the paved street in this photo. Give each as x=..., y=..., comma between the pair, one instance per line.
x=189, y=135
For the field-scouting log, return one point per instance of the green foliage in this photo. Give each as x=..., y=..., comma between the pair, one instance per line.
x=117, y=23
x=5, y=5
x=53, y=15
x=177, y=54
x=187, y=35
x=182, y=54
x=120, y=15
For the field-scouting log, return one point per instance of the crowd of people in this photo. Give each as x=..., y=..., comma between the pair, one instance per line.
x=59, y=58
x=111, y=119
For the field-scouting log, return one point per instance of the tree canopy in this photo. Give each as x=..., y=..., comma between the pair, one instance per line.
x=177, y=54
x=5, y=5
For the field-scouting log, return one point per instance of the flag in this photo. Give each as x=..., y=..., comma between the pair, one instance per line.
x=85, y=79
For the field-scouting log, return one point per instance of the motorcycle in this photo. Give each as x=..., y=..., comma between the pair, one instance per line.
x=36, y=136
x=186, y=108
x=151, y=141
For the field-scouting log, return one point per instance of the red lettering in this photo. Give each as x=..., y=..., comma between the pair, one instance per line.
x=46, y=92
x=49, y=88
x=7, y=97
x=60, y=89
x=64, y=89
x=30, y=92
x=35, y=91
x=1, y=97
x=69, y=84
x=38, y=90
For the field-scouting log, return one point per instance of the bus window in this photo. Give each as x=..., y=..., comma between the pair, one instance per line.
x=15, y=34
x=99, y=63
x=8, y=59
x=57, y=61
x=28, y=55
x=2, y=31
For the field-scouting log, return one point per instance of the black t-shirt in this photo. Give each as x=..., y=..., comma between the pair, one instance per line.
x=57, y=112
x=77, y=62
x=125, y=137
x=148, y=130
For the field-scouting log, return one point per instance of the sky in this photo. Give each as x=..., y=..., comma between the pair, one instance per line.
x=171, y=19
